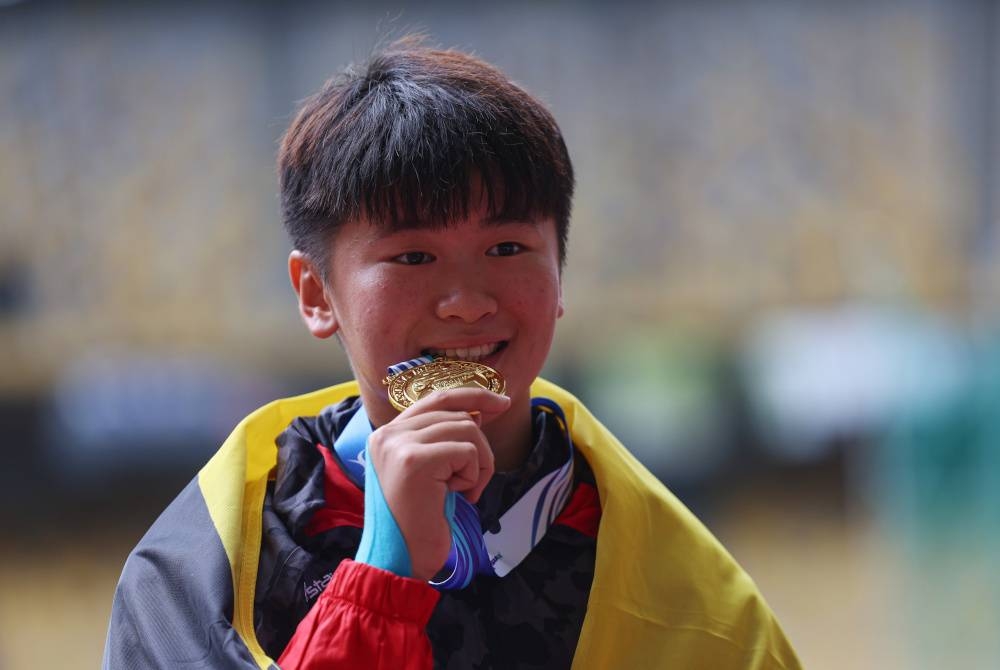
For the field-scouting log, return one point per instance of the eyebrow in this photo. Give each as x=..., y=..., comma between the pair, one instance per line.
x=506, y=221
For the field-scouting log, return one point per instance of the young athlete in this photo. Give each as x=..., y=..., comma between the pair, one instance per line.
x=447, y=508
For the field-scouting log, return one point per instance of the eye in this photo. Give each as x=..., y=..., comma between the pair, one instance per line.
x=413, y=258
x=505, y=249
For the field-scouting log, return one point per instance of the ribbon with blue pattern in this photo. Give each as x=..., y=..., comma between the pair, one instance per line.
x=412, y=363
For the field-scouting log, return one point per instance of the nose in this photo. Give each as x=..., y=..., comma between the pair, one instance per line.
x=466, y=302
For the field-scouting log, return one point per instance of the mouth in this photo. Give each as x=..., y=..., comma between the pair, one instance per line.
x=473, y=354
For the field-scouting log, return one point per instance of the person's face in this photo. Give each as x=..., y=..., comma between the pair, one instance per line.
x=478, y=290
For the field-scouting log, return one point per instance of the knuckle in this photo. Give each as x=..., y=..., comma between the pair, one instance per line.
x=407, y=458
x=447, y=396
x=375, y=442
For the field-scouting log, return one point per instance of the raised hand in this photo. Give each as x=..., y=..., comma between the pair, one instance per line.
x=433, y=447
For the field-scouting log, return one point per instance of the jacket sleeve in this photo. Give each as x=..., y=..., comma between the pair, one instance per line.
x=366, y=618
x=173, y=604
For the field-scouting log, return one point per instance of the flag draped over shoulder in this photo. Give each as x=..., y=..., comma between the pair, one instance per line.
x=665, y=592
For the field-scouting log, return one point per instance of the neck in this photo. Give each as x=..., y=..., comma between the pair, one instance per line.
x=510, y=435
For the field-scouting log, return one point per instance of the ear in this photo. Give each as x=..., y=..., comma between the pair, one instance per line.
x=315, y=306
x=559, y=307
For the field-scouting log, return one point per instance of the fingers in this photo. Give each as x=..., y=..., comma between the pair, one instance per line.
x=441, y=435
x=460, y=434
x=449, y=445
x=465, y=399
x=463, y=469
x=464, y=465
x=473, y=478
x=420, y=420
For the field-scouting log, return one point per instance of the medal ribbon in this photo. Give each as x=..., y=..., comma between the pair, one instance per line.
x=406, y=365
x=473, y=551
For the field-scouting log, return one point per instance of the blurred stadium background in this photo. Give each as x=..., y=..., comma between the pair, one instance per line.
x=782, y=290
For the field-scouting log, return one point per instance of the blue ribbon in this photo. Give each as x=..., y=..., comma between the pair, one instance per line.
x=406, y=365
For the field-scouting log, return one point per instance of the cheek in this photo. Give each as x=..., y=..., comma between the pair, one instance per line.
x=538, y=298
x=370, y=312
x=537, y=307
x=387, y=306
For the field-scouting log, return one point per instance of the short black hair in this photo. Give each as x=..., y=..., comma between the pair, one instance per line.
x=403, y=139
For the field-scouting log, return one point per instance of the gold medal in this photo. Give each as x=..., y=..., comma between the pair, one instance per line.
x=409, y=386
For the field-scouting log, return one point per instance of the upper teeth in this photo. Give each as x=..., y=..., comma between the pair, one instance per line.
x=467, y=353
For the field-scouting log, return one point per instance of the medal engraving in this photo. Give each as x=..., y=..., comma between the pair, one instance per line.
x=409, y=386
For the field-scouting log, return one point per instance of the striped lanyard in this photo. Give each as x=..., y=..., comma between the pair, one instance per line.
x=472, y=551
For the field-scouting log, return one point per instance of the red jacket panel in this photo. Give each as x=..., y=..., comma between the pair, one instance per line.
x=366, y=618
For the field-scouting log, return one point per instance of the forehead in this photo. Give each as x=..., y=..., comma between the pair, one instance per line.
x=376, y=230
x=490, y=201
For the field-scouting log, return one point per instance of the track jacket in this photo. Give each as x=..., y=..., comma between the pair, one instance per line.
x=665, y=593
